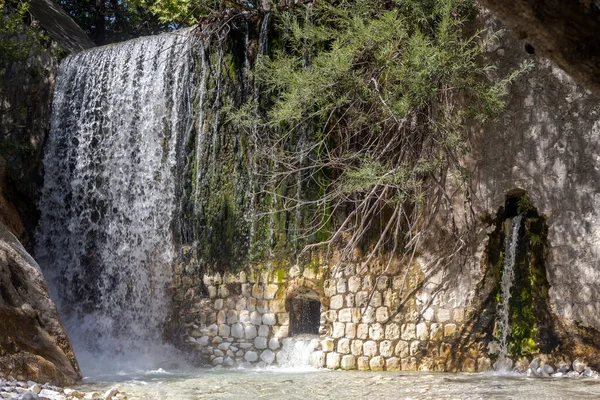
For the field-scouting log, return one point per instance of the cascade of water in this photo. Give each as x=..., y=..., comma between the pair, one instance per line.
x=104, y=241
x=508, y=276
x=296, y=351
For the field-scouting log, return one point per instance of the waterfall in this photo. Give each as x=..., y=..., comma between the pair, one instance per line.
x=508, y=276
x=121, y=115
x=296, y=351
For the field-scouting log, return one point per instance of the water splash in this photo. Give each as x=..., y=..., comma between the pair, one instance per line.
x=296, y=352
x=508, y=277
x=104, y=242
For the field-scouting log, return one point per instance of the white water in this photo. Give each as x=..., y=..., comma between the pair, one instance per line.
x=508, y=277
x=104, y=240
x=295, y=353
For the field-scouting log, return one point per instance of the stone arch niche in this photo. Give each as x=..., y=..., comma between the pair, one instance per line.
x=304, y=308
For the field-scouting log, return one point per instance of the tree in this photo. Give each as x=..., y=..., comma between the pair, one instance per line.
x=370, y=105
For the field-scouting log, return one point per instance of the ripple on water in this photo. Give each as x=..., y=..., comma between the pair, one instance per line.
x=324, y=384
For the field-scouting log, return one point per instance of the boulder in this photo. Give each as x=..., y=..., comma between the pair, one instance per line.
x=33, y=342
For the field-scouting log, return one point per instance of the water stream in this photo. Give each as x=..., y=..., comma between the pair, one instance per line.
x=508, y=276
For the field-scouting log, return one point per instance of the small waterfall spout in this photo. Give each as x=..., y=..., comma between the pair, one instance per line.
x=296, y=351
x=104, y=241
x=508, y=276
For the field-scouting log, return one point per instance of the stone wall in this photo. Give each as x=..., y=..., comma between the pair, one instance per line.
x=244, y=319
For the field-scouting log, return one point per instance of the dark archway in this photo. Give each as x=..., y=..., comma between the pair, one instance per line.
x=305, y=313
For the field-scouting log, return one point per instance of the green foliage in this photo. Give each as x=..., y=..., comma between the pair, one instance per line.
x=17, y=39
x=378, y=97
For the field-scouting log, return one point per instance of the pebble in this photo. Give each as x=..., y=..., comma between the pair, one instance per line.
x=19, y=390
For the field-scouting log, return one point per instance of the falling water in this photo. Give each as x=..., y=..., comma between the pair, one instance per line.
x=297, y=351
x=120, y=115
x=508, y=276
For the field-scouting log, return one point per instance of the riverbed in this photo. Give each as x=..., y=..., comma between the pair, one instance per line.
x=308, y=383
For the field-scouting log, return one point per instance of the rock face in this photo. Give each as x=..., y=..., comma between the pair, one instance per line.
x=33, y=341
x=566, y=31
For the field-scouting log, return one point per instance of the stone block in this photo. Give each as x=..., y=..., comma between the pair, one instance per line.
x=370, y=348
x=218, y=304
x=386, y=348
x=257, y=291
x=459, y=314
x=436, y=332
x=484, y=364
x=223, y=291
x=377, y=363
x=361, y=298
x=260, y=342
x=341, y=285
x=336, y=302
x=362, y=331
x=343, y=346
x=376, y=332
x=345, y=315
x=212, y=291
x=251, y=304
x=392, y=331
x=368, y=315
x=263, y=331
x=270, y=291
x=327, y=345
x=262, y=306
x=350, y=330
x=251, y=356
x=393, y=364
x=443, y=315
x=349, y=300
x=414, y=347
x=354, y=284
x=348, y=362
x=408, y=332
x=221, y=317
x=237, y=330
x=224, y=330
x=338, y=330
x=428, y=314
x=333, y=360
x=255, y=318
x=273, y=343
x=362, y=363
x=267, y=356
x=383, y=283
x=309, y=273
x=468, y=365
x=382, y=314
x=445, y=350
x=376, y=300
x=317, y=359
x=409, y=364
x=241, y=304
x=402, y=349
x=356, y=347
x=449, y=330
x=283, y=318
x=244, y=317
x=422, y=331
x=269, y=319
x=328, y=288
x=281, y=331
x=367, y=282
x=246, y=289
x=277, y=306
x=232, y=317
x=250, y=332
x=217, y=361
x=356, y=314
x=218, y=353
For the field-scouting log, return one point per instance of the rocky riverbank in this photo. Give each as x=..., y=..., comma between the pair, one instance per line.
x=29, y=390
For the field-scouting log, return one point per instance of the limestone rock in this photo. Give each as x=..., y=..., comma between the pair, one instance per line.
x=30, y=348
x=348, y=362
x=333, y=360
x=377, y=363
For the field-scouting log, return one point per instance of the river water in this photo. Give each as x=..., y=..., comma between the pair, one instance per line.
x=325, y=384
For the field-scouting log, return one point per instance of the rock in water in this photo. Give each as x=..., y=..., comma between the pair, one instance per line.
x=33, y=341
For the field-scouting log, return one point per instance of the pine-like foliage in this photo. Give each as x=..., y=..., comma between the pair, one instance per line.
x=370, y=104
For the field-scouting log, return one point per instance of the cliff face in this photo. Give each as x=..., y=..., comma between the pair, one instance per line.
x=33, y=342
